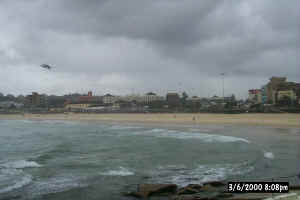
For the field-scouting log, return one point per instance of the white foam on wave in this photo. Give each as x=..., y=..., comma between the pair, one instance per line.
x=118, y=127
x=164, y=133
x=269, y=155
x=12, y=176
x=157, y=130
x=118, y=172
x=20, y=164
x=201, y=130
x=65, y=122
x=11, y=179
x=56, y=184
x=202, y=174
x=19, y=184
x=26, y=121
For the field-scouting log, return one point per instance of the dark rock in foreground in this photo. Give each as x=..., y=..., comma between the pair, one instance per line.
x=215, y=183
x=190, y=189
x=209, y=191
x=147, y=190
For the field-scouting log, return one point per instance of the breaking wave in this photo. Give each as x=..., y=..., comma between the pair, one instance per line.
x=55, y=185
x=15, y=178
x=269, y=155
x=204, y=173
x=163, y=133
x=119, y=172
x=118, y=127
x=12, y=176
x=20, y=164
x=52, y=121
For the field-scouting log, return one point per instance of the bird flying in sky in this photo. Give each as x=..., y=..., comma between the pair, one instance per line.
x=45, y=66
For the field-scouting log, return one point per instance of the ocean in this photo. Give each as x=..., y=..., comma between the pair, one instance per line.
x=50, y=159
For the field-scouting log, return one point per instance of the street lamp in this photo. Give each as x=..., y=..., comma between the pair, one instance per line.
x=223, y=74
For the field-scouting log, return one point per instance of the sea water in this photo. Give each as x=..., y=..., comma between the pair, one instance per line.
x=95, y=160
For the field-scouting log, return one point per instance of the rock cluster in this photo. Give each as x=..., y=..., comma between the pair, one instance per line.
x=208, y=191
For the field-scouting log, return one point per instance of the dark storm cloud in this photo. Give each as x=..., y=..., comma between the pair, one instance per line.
x=117, y=45
x=159, y=21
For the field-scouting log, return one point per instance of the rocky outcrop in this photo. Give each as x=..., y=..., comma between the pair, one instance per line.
x=147, y=190
x=207, y=191
x=190, y=189
x=215, y=183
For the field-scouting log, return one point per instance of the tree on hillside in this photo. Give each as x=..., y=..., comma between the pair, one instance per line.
x=184, y=98
x=21, y=99
x=10, y=97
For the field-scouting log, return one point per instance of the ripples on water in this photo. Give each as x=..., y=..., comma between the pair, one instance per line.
x=57, y=159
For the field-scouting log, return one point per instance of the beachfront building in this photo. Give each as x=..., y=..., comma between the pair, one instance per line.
x=264, y=96
x=110, y=99
x=276, y=89
x=194, y=99
x=145, y=99
x=86, y=98
x=255, y=96
x=194, y=103
x=290, y=94
x=82, y=102
x=90, y=99
x=173, y=99
x=272, y=88
x=131, y=98
x=36, y=100
x=77, y=106
x=56, y=101
x=151, y=97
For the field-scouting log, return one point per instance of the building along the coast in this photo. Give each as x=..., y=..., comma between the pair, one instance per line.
x=36, y=100
x=133, y=98
x=275, y=90
x=151, y=97
x=272, y=88
x=255, y=96
x=110, y=99
x=144, y=99
x=83, y=102
x=77, y=106
x=173, y=99
x=286, y=93
x=264, y=94
x=194, y=103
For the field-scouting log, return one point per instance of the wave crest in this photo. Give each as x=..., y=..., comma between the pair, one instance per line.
x=119, y=172
x=12, y=176
x=164, y=133
x=202, y=174
x=269, y=155
x=20, y=164
x=11, y=179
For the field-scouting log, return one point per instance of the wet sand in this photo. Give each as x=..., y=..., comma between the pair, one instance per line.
x=274, y=120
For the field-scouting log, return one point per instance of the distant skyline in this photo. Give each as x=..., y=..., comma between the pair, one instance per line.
x=134, y=46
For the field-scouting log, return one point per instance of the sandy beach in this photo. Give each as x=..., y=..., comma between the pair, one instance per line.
x=274, y=120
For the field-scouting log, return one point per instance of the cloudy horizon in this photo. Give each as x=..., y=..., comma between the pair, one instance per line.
x=124, y=47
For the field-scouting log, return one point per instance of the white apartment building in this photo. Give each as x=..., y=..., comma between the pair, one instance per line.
x=110, y=99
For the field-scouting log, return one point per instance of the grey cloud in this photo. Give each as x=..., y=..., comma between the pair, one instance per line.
x=151, y=44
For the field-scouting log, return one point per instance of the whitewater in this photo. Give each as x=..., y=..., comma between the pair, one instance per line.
x=95, y=160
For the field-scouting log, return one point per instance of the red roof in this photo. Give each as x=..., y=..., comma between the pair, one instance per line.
x=254, y=91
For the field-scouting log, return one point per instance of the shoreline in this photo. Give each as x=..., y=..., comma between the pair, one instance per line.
x=250, y=119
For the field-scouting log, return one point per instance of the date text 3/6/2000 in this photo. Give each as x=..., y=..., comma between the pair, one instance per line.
x=258, y=187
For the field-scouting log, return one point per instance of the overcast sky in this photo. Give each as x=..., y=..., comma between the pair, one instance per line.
x=138, y=46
